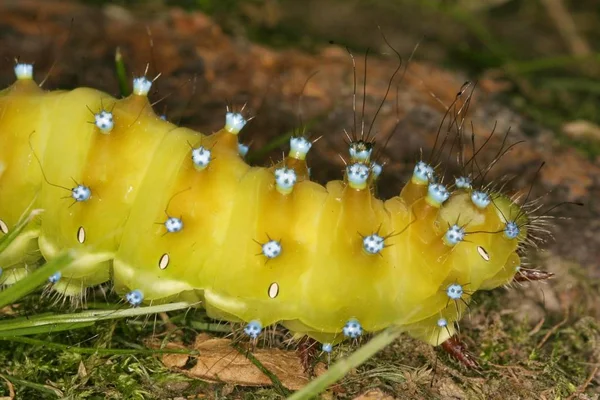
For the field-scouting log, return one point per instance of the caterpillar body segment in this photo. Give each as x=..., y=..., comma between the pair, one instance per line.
x=19, y=176
x=171, y=213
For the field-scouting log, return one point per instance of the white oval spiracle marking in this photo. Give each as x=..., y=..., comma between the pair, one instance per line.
x=81, y=235
x=3, y=227
x=273, y=290
x=164, y=260
x=484, y=254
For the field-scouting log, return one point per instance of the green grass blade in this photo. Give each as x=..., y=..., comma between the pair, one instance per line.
x=52, y=323
x=34, y=330
x=338, y=370
x=98, y=350
x=121, y=72
x=36, y=386
x=35, y=279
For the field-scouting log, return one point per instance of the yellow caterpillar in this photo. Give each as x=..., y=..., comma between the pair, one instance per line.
x=167, y=213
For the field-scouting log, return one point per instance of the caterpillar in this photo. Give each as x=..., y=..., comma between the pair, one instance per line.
x=166, y=214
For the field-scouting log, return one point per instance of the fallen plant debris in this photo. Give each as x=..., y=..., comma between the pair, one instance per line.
x=221, y=360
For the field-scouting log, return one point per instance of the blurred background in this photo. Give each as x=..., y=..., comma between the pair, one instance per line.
x=543, y=54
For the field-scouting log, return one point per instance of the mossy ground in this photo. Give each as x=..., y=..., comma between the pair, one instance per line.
x=535, y=341
x=551, y=360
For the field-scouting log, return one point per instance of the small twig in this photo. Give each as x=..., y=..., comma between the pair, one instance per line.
x=168, y=324
x=581, y=389
x=537, y=327
x=11, y=388
x=552, y=331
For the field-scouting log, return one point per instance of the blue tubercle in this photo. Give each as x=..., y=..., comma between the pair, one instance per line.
x=511, y=230
x=55, y=277
x=299, y=147
x=373, y=244
x=81, y=193
x=173, y=224
x=357, y=174
x=24, y=71
x=141, y=86
x=437, y=194
x=135, y=297
x=272, y=249
x=454, y=291
x=352, y=329
x=104, y=121
x=234, y=122
x=360, y=151
x=201, y=157
x=463, y=182
x=454, y=235
x=243, y=149
x=285, y=179
x=423, y=172
x=376, y=169
x=480, y=199
x=253, y=329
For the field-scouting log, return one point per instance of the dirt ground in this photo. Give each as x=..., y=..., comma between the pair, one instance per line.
x=537, y=341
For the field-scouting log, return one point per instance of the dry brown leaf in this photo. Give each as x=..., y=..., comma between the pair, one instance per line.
x=374, y=394
x=218, y=361
x=82, y=370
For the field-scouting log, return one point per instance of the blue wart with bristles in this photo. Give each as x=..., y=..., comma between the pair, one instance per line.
x=81, y=193
x=454, y=291
x=141, y=86
x=376, y=169
x=352, y=329
x=135, y=297
x=357, y=175
x=454, y=235
x=373, y=244
x=55, y=277
x=437, y=194
x=511, y=230
x=480, y=199
x=253, y=329
x=24, y=71
x=201, y=157
x=234, y=122
x=173, y=224
x=423, y=172
x=463, y=182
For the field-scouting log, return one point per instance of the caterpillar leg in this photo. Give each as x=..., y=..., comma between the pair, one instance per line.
x=530, y=274
x=308, y=351
x=16, y=259
x=458, y=350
